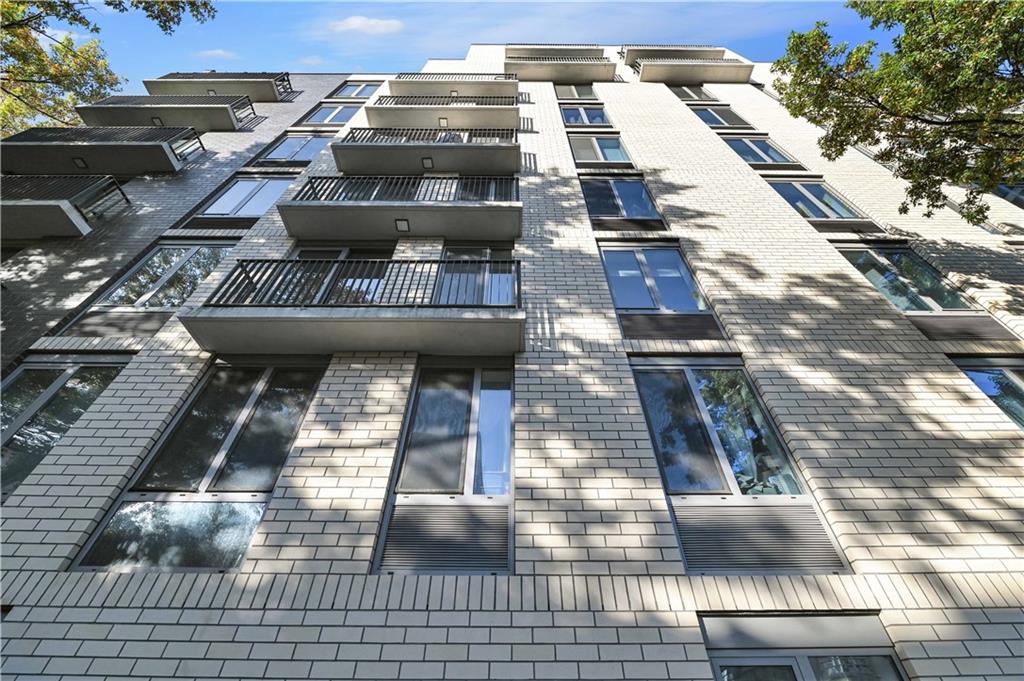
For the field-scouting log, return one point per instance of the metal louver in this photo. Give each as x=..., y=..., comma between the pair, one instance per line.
x=754, y=537
x=447, y=539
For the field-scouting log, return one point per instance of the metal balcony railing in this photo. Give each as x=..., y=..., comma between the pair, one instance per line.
x=395, y=188
x=282, y=80
x=562, y=60
x=240, y=104
x=183, y=141
x=370, y=283
x=480, y=136
x=442, y=100
x=456, y=76
x=90, y=194
x=685, y=60
x=546, y=45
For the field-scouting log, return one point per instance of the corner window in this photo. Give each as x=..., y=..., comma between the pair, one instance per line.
x=247, y=197
x=41, y=401
x=1014, y=193
x=357, y=89
x=756, y=150
x=619, y=198
x=202, y=495
x=719, y=116
x=584, y=115
x=332, y=114
x=692, y=93
x=651, y=278
x=296, y=149
x=905, y=279
x=167, y=276
x=601, y=150
x=815, y=201
x=575, y=92
x=1002, y=382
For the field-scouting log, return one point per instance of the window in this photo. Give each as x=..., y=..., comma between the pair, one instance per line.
x=907, y=281
x=332, y=114
x=619, y=198
x=1014, y=193
x=651, y=278
x=247, y=197
x=41, y=401
x=719, y=116
x=584, y=115
x=356, y=89
x=575, y=92
x=692, y=93
x=1002, y=381
x=756, y=150
x=602, y=150
x=352, y=280
x=820, y=665
x=167, y=276
x=199, y=499
x=296, y=149
x=476, y=276
x=815, y=201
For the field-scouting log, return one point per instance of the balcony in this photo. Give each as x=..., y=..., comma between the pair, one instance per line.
x=561, y=69
x=630, y=53
x=374, y=207
x=259, y=86
x=42, y=206
x=553, y=50
x=391, y=111
x=692, y=71
x=202, y=112
x=122, y=151
x=415, y=150
x=454, y=307
x=455, y=84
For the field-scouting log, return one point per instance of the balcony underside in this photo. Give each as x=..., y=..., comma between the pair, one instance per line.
x=202, y=118
x=29, y=220
x=256, y=90
x=431, y=116
x=372, y=220
x=633, y=52
x=408, y=158
x=561, y=72
x=109, y=158
x=694, y=74
x=292, y=330
x=461, y=88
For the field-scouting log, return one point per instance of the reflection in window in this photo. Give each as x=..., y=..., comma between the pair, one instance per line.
x=651, y=279
x=815, y=201
x=718, y=116
x=757, y=150
x=854, y=668
x=690, y=93
x=167, y=277
x=627, y=198
x=907, y=281
x=761, y=672
x=297, y=148
x=584, y=115
x=357, y=89
x=1004, y=386
x=247, y=197
x=598, y=149
x=575, y=92
x=332, y=114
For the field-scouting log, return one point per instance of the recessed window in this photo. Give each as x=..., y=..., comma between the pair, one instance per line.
x=297, y=149
x=651, y=278
x=906, y=280
x=575, y=92
x=332, y=114
x=352, y=88
x=598, y=150
x=692, y=93
x=41, y=401
x=757, y=150
x=815, y=201
x=719, y=116
x=201, y=496
x=167, y=276
x=619, y=198
x=247, y=197
x=584, y=115
x=1002, y=382
x=1014, y=193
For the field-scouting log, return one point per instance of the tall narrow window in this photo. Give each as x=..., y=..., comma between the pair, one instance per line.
x=199, y=500
x=907, y=281
x=651, y=279
x=815, y=201
x=719, y=116
x=1003, y=383
x=625, y=198
x=41, y=401
x=1014, y=193
x=598, y=150
x=167, y=276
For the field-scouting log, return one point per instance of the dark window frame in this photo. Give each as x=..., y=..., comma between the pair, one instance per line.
x=363, y=84
x=262, y=161
x=714, y=108
x=621, y=221
x=600, y=161
x=581, y=109
x=796, y=658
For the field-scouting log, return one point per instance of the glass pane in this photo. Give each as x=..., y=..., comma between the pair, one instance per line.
x=564, y=92
x=676, y=287
x=585, y=92
x=344, y=114
x=761, y=672
x=228, y=202
x=688, y=461
x=629, y=290
x=460, y=283
x=636, y=201
x=176, y=534
x=612, y=150
x=436, y=450
x=494, y=442
x=833, y=202
x=854, y=668
x=263, y=445
x=320, y=114
x=743, y=149
x=264, y=199
x=729, y=116
x=40, y=433
x=757, y=458
x=999, y=385
x=885, y=280
x=769, y=150
x=798, y=200
x=185, y=458
x=572, y=116
x=708, y=116
x=312, y=147
x=1014, y=193
x=284, y=149
x=501, y=282
x=595, y=116
x=600, y=198
x=348, y=90
x=925, y=280
x=368, y=89
x=583, y=149
x=24, y=390
x=140, y=281
x=180, y=285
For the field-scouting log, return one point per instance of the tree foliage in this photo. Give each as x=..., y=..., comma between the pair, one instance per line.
x=44, y=73
x=943, y=106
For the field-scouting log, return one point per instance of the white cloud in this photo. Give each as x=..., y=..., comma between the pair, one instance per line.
x=311, y=61
x=361, y=24
x=217, y=54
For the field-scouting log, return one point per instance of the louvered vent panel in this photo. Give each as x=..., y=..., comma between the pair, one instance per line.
x=755, y=537
x=447, y=539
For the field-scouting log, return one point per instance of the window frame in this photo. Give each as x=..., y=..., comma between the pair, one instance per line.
x=689, y=88
x=597, y=221
x=1012, y=368
x=1011, y=193
x=830, y=215
x=601, y=161
x=581, y=109
x=660, y=308
x=201, y=213
x=797, y=658
x=263, y=161
x=338, y=106
x=745, y=125
x=575, y=92
x=765, y=163
x=336, y=94
x=203, y=494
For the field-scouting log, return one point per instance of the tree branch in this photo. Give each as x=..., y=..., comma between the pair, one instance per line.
x=37, y=109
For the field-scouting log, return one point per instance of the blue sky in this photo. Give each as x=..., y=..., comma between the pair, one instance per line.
x=399, y=36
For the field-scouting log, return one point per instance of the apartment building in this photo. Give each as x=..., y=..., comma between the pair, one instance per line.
x=553, y=362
